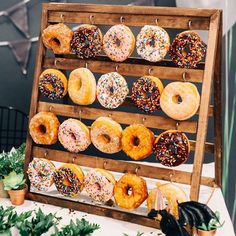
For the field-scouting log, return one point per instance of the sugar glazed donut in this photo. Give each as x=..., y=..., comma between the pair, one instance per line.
x=58, y=38
x=137, y=141
x=74, y=135
x=99, y=185
x=53, y=84
x=43, y=128
x=118, y=43
x=130, y=191
x=87, y=41
x=171, y=148
x=40, y=172
x=82, y=86
x=112, y=90
x=152, y=43
x=106, y=135
x=187, y=49
x=69, y=180
x=146, y=93
x=180, y=100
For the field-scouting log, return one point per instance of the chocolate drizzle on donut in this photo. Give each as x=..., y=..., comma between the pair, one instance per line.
x=146, y=95
x=86, y=42
x=171, y=149
x=65, y=174
x=51, y=86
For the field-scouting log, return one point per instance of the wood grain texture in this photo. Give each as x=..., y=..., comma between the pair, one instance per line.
x=204, y=105
x=119, y=166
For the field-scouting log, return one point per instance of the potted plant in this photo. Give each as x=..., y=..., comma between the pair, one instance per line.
x=210, y=228
x=15, y=185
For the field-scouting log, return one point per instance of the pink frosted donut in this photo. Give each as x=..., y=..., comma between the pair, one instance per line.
x=74, y=135
x=99, y=185
x=118, y=43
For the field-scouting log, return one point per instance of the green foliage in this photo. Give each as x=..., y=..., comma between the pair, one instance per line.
x=79, y=228
x=38, y=225
x=14, y=181
x=8, y=218
x=138, y=234
x=12, y=161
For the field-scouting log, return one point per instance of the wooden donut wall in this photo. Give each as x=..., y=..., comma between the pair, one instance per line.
x=208, y=73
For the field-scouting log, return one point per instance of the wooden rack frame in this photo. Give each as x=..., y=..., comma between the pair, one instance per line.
x=206, y=73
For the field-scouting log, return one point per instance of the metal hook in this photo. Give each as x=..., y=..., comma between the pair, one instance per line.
x=104, y=164
x=122, y=19
x=156, y=21
x=45, y=153
x=117, y=67
x=62, y=17
x=80, y=114
x=55, y=63
x=136, y=169
x=73, y=160
x=150, y=70
x=50, y=108
x=171, y=175
x=177, y=125
x=189, y=24
x=110, y=115
x=184, y=76
x=91, y=19
x=143, y=119
x=86, y=65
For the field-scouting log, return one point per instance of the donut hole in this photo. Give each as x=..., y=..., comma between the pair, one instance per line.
x=55, y=42
x=72, y=135
x=104, y=138
x=152, y=41
x=129, y=190
x=42, y=129
x=66, y=182
x=111, y=89
x=97, y=186
x=136, y=141
x=186, y=50
x=117, y=42
x=177, y=99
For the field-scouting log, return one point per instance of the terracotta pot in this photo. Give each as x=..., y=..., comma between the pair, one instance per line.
x=3, y=193
x=17, y=197
x=206, y=233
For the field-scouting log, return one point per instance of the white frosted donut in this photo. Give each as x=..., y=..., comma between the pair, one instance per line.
x=152, y=43
x=40, y=172
x=74, y=135
x=171, y=104
x=118, y=43
x=82, y=86
x=112, y=90
x=99, y=185
x=106, y=135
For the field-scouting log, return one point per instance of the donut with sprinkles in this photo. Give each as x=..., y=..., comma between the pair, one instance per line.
x=171, y=148
x=187, y=49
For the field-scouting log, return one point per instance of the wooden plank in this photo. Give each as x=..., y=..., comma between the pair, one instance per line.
x=218, y=111
x=204, y=106
x=177, y=22
x=34, y=97
x=152, y=121
x=95, y=209
x=119, y=166
x=126, y=69
x=136, y=10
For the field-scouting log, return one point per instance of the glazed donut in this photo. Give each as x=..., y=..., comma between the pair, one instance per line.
x=173, y=195
x=187, y=49
x=106, y=135
x=134, y=184
x=53, y=84
x=43, y=128
x=112, y=90
x=171, y=148
x=152, y=43
x=58, y=38
x=82, y=86
x=146, y=93
x=87, y=41
x=99, y=185
x=184, y=109
x=74, y=135
x=40, y=173
x=137, y=141
x=69, y=180
x=118, y=43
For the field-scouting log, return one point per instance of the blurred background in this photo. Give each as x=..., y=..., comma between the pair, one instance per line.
x=17, y=60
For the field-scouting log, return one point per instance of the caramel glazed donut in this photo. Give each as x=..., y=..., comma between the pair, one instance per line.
x=82, y=86
x=87, y=41
x=69, y=180
x=43, y=128
x=184, y=109
x=187, y=49
x=53, y=84
x=130, y=183
x=172, y=148
x=106, y=135
x=58, y=38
